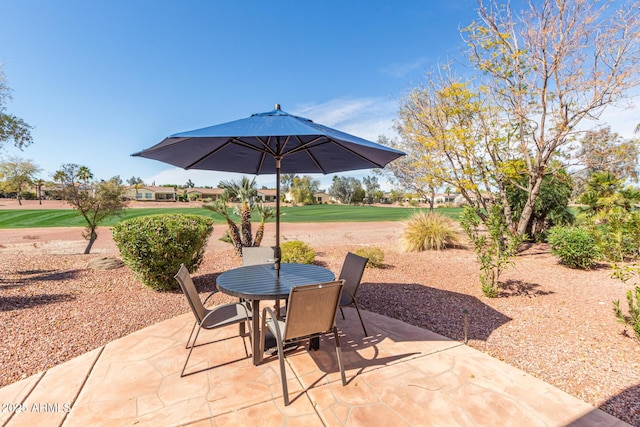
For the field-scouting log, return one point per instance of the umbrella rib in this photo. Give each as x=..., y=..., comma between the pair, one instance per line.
x=266, y=146
x=304, y=146
x=189, y=166
x=356, y=153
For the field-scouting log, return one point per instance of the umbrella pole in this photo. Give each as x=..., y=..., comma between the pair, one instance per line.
x=278, y=253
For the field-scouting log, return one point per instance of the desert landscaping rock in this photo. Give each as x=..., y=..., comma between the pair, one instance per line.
x=105, y=263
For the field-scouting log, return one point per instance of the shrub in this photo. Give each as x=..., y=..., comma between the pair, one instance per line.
x=633, y=319
x=374, y=254
x=298, y=252
x=575, y=246
x=154, y=246
x=425, y=231
x=495, y=250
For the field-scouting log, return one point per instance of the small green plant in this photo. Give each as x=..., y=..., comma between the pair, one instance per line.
x=495, y=249
x=633, y=318
x=297, y=251
x=575, y=246
x=428, y=231
x=154, y=246
x=374, y=254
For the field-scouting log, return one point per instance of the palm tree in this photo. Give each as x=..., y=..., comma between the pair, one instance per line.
x=265, y=213
x=84, y=174
x=39, y=183
x=246, y=191
x=62, y=177
x=219, y=206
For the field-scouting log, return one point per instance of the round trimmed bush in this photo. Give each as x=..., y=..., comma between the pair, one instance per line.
x=373, y=253
x=154, y=246
x=428, y=231
x=575, y=246
x=297, y=251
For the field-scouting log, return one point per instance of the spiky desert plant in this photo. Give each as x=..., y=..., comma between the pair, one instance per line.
x=633, y=319
x=428, y=231
x=265, y=213
x=219, y=206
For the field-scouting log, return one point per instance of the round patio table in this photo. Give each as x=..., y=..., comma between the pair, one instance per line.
x=259, y=282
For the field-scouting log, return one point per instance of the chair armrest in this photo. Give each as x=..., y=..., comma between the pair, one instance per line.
x=209, y=296
x=276, y=326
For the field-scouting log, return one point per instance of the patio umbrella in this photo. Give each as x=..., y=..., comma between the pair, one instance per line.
x=267, y=143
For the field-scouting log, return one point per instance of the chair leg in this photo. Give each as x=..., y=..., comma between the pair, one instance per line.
x=191, y=334
x=355, y=303
x=189, y=355
x=339, y=355
x=283, y=374
x=342, y=312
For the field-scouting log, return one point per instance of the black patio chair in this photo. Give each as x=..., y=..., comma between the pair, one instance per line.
x=311, y=312
x=216, y=317
x=351, y=273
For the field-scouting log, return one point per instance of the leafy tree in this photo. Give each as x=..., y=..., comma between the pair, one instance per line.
x=286, y=179
x=413, y=172
x=371, y=189
x=17, y=173
x=550, y=66
x=344, y=189
x=12, y=128
x=602, y=150
x=552, y=204
x=453, y=138
x=135, y=181
x=539, y=73
x=94, y=206
x=303, y=190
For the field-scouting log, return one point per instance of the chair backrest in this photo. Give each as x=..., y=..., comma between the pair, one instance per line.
x=351, y=273
x=186, y=284
x=258, y=255
x=312, y=309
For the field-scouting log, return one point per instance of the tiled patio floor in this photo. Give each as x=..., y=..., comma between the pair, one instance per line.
x=399, y=376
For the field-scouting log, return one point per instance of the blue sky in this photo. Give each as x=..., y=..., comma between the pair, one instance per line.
x=102, y=80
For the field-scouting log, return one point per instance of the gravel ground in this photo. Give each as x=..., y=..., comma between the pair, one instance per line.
x=552, y=322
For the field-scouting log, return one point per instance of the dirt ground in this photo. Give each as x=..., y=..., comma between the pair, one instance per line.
x=553, y=322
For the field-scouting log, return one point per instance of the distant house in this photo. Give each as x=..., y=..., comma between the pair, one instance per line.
x=442, y=199
x=267, y=195
x=461, y=201
x=321, y=197
x=205, y=194
x=151, y=193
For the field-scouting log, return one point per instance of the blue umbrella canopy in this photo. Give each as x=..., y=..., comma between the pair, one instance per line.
x=255, y=144
x=268, y=143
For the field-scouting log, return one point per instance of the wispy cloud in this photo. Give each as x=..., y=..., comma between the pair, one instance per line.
x=402, y=70
x=622, y=119
x=367, y=118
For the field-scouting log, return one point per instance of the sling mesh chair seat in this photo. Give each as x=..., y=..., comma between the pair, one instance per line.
x=253, y=255
x=216, y=317
x=351, y=273
x=311, y=312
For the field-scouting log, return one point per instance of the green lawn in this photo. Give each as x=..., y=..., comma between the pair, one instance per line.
x=25, y=218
